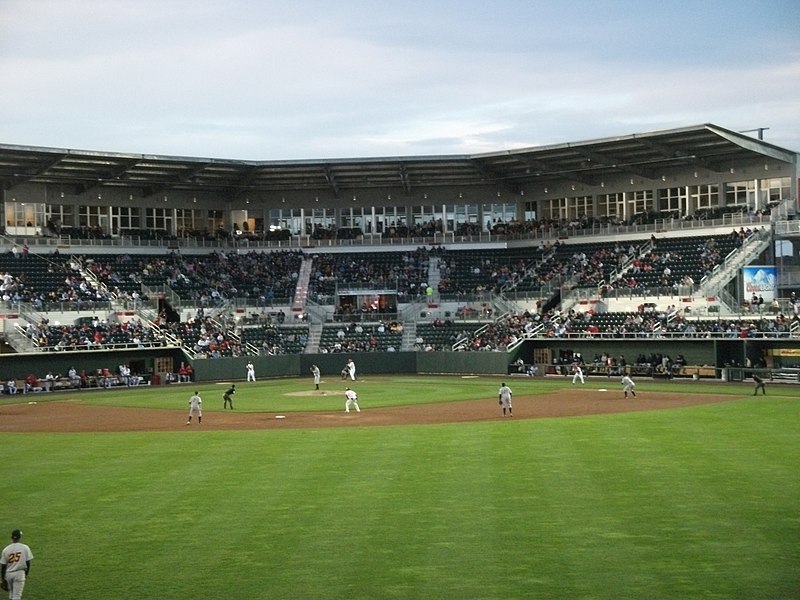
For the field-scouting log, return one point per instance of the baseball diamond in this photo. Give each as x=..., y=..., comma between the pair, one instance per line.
x=75, y=416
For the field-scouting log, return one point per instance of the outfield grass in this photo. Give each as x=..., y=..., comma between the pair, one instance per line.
x=699, y=502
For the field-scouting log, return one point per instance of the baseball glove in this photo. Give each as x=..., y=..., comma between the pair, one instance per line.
x=500, y=402
x=4, y=585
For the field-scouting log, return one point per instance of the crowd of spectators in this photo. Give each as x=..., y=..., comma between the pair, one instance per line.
x=208, y=279
x=205, y=337
x=47, y=283
x=405, y=272
x=96, y=334
x=467, y=273
x=671, y=322
x=512, y=229
x=276, y=341
x=358, y=337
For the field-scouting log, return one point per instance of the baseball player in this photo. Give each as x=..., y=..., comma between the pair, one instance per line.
x=504, y=399
x=759, y=384
x=628, y=386
x=251, y=371
x=316, y=374
x=15, y=565
x=352, y=400
x=577, y=373
x=227, y=397
x=351, y=369
x=195, y=408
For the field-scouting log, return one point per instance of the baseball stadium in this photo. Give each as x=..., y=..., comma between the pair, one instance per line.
x=133, y=282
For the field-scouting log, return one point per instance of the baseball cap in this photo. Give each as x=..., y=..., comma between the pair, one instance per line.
x=16, y=534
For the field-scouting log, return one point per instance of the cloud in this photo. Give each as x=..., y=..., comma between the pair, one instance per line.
x=270, y=80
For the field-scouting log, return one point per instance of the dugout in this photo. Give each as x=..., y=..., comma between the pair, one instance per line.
x=148, y=363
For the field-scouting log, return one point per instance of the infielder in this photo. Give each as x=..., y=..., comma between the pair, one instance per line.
x=578, y=373
x=251, y=371
x=316, y=374
x=227, y=397
x=195, y=408
x=15, y=564
x=628, y=386
x=504, y=399
x=352, y=400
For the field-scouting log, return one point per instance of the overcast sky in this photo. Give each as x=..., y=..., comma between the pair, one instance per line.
x=264, y=80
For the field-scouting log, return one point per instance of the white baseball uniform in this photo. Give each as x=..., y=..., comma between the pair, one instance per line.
x=504, y=395
x=316, y=374
x=628, y=386
x=195, y=408
x=352, y=400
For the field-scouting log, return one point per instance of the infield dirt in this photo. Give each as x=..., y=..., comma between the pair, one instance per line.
x=77, y=416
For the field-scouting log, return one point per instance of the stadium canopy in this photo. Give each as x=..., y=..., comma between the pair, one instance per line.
x=589, y=162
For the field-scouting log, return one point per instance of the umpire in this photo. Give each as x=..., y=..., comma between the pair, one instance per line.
x=227, y=397
x=759, y=384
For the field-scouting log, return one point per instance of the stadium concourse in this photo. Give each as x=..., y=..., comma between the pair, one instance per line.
x=547, y=256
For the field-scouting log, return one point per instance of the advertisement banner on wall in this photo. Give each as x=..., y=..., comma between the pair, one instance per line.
x=761, y=281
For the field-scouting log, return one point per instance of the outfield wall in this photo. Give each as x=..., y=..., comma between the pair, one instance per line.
x=366, y=362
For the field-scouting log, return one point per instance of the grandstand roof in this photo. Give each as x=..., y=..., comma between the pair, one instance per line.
x=644, y=155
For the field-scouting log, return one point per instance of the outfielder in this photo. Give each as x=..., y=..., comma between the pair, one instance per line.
x=251, y=371
x=195, y=408
x=628, y=386
x=15, y=564
x=578, y=373
x=227, y=397
x=504, y=399
x=352, y=400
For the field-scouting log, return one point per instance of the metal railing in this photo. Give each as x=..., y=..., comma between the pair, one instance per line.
x=548, y=232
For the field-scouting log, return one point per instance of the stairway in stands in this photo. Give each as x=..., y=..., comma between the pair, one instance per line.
x=314, y=337
x=714, y=284
x=301, y=289
x=409, y=335
x=434, y=274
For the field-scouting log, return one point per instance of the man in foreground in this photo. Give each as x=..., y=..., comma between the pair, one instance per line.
x=15, y=564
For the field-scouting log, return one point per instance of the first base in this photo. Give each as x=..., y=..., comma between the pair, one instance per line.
x=280, y=416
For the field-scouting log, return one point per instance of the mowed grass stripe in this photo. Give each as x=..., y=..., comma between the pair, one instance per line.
x=698, y=502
